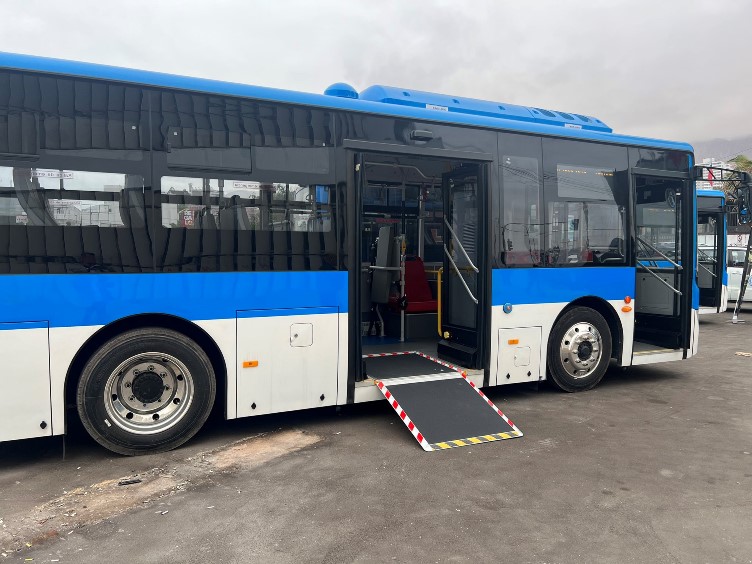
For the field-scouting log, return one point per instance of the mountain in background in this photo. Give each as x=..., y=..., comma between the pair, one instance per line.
x=723, y=149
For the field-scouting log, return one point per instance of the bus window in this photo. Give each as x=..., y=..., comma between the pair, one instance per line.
x=60, y=221
x=586, y=193
x=521, y=224
x=214, y=224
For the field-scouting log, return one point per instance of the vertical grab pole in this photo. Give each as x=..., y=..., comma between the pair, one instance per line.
x=438, y=295
x=403, y=249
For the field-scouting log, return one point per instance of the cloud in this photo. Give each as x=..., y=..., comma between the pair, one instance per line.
x=668, y=69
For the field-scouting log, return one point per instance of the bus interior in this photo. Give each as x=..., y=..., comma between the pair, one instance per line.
x=421, y=249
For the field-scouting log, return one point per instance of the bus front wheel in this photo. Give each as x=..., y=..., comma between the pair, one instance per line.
x=146, y=391
x=579, y=349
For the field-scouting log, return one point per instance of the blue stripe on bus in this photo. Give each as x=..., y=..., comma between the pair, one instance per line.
x=24, y=325
x=560, y=285
x=70, y=300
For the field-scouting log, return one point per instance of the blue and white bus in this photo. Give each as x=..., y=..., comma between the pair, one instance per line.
x=171, y=243
x=712, y=278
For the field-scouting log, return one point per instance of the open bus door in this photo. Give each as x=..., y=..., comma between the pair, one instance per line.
x=711, y=251
x=463, y=284
x=664, y=245
x=743, y=199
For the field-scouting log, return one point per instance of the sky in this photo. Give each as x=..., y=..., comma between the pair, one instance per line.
x=672, y=69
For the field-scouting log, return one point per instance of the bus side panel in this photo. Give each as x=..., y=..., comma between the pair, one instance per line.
x=538, y=296
x=79, y=305
x=25, y=381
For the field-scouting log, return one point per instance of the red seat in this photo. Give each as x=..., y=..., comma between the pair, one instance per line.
x=417, y=290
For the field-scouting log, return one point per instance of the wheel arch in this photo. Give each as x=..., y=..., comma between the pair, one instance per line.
x=140, y=321
x=609, y=314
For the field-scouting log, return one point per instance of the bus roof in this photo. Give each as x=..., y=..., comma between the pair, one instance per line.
x=380, y=100
x=711, y=193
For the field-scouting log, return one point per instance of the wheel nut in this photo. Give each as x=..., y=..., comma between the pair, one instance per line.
x=127, y=384
x=150, y=368
x=167, y=387
x=163, y=374
x=131, y=398
x=135, y=372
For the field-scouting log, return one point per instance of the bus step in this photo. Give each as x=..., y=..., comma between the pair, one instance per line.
x=436, y=401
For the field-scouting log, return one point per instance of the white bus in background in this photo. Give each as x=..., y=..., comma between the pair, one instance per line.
x=734, y=268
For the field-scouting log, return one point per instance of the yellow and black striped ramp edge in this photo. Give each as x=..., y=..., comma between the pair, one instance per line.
x=441, y=408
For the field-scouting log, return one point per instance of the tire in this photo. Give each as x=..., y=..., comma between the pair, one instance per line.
x=579, y=350
x=146, y=391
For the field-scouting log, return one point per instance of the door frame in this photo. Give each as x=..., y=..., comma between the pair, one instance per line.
x=355, y=149
x=720, y=247
x=688, y=238
x=481, y=256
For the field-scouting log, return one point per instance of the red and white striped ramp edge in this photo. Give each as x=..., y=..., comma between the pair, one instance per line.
x=449, y=444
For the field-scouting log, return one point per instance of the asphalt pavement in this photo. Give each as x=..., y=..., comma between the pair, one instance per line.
x=654, y=465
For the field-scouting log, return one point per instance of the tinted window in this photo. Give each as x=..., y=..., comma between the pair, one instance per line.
x=521, y=181
x=61, y=118
x=72, y=221
x=212, y=224
x=203, y=132
x=713, y=203
x=658, y=219
x=736, y=257
x=72, y=179
x=586, y=192
x=658, y=159
x=249, y=186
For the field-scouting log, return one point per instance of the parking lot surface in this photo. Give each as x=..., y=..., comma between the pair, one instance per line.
x=654, y=465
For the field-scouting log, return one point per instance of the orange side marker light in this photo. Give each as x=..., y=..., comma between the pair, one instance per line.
x=250, y=363
x=513, y=341
x=626, y=309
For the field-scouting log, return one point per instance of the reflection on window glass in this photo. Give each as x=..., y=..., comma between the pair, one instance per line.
x=195, y=203
x=521, y=222
x=659, y=159
x=586, y=223
x=221, y=225
x=72, y=221
x=203, y=148
x=66, y=197
x=586, y=192
x=658, y=219
x=736, y=258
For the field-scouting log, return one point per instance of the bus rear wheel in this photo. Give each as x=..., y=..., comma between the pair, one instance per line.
x=146, y=391
x=579, y=349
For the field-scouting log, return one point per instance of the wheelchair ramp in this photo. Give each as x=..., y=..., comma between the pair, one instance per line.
x=437, y=403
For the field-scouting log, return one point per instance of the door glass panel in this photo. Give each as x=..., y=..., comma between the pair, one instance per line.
x=460, y=307
x=658, y=230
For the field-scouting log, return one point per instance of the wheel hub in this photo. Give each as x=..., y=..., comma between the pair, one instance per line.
x=580, y=349
x=148, y=393
x=147, y=387
x=584, y=350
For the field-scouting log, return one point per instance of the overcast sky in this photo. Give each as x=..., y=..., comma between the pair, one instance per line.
x=675, y=69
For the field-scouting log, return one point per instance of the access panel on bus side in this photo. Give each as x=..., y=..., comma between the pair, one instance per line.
x=25, y=381
x=286, y=359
